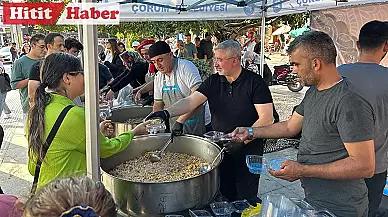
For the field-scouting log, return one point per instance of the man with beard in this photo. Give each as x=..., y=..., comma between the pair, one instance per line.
x=237, y=97
x=370, y=78
x=336, y=151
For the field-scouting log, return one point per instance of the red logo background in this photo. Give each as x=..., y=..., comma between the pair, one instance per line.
x=56, y=9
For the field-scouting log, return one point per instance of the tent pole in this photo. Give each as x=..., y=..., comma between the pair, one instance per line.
x=263, y=13
x=91, y=100
x=81, y=38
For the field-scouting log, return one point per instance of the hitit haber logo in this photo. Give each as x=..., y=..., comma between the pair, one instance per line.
x=61, y=13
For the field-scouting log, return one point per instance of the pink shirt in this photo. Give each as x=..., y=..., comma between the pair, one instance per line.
x=7, y=206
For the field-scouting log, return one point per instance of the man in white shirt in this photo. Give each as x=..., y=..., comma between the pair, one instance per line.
x=250, y=44
x=176, y=79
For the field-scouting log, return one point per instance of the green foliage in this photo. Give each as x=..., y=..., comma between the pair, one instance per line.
x=57, y=28
x=222, y=29
x=203, y=67
x=295, y=21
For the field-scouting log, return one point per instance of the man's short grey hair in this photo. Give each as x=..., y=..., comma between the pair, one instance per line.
x=231, y=46
x=316, y=44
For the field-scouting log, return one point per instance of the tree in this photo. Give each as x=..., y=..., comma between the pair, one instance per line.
x=57, y=28
x=222, y=29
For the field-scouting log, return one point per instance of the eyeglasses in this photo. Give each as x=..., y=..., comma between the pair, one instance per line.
x=76, y=73
x=40, y=46
x=221, y=60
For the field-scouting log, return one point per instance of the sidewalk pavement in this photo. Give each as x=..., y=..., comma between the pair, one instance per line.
x=14, y=176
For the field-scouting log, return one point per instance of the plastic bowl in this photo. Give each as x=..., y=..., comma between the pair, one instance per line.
x=195, y=213
x=240, y=205
x=275, y=163
x=222, y=208
x=216, y=136
x=279, y=205
x=256, y=164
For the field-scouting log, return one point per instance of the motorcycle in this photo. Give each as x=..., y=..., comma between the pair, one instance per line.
x=251, y=61
x=283, y=76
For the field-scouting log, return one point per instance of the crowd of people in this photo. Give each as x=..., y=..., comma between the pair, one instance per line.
x=342, y=158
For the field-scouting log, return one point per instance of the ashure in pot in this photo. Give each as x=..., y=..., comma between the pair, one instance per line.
x=157, y=199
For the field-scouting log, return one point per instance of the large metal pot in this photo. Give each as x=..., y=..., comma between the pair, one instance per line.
x=121, y=115
x=156, y=199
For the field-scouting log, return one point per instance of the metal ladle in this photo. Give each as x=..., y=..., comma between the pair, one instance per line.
x=207, y=167
x=157, y=155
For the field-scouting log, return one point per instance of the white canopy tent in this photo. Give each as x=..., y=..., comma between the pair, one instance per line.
x=182, y=10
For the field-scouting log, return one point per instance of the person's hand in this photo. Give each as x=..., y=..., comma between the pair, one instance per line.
x=138, y=95
x=135, y=90
x=289, y=170
x=177, y=129
x=232, y=147
x=106, y=128
x=141, y=129
x=163, y=114
x=109, y=96
x=147, y=101
x=105, y=90
x=240, y=134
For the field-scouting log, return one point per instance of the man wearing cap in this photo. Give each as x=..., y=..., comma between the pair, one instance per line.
x=145, y=91
x=135, y=44
x=176, y=80
x=257, y=48
x=251, y=43
x=190, y=47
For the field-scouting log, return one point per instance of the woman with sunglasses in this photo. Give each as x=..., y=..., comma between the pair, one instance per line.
x=25, y=49
x=62, y=81
x=136, y=68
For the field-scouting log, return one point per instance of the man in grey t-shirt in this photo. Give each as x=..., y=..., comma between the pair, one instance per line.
x=190, y=47
x=336, y=151
x=370, y=80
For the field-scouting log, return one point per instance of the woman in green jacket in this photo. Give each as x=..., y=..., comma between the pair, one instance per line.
x=62, y=75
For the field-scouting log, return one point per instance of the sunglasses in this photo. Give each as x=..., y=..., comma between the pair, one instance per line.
x=76, y=73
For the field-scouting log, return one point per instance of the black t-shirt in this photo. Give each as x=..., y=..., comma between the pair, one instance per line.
x=116, y=67
x=207, y=48
x=104, y=75
x=35, y=72
x=200, y=53
x=13, y=53
x=257, y=48
x=233, y=105
x=135, y=77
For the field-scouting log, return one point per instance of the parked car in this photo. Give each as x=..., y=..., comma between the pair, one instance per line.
x=5, y=54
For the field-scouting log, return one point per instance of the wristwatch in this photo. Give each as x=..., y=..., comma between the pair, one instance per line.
x=250, y=130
